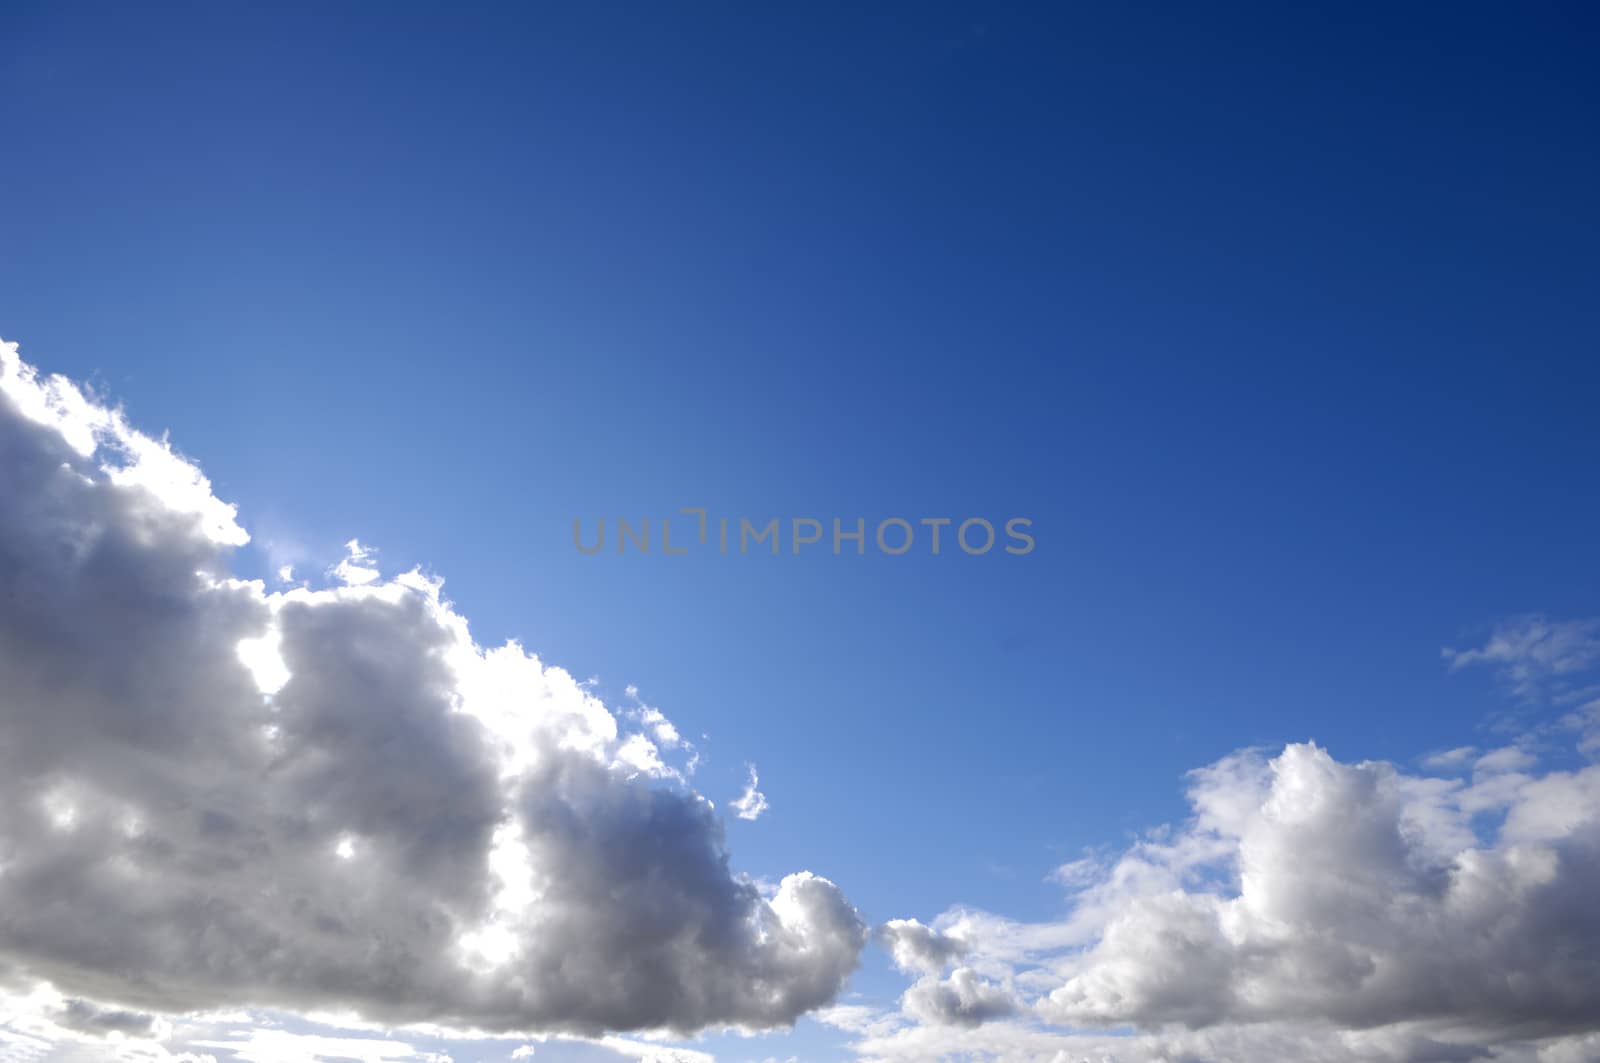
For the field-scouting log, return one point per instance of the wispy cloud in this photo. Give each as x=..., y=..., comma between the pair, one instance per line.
x=750, y=803
x=1536, y=655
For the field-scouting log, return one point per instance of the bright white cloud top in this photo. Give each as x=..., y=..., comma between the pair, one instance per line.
x=214, y=795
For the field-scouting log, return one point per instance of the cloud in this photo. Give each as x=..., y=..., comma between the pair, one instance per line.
x=860, y=1019
x=355, y=570
x=214, y=795
x=1534, y=653
x=88, y=1017
x=1502, y=760
x=963, y=999
x=283, y=1046
x=752, y=802
x=1310, y=909
x=915, y=947
x=1021, y=1042
x=1450, y=759
x=661, y=731
x=645, y=1052
x=1360, y=901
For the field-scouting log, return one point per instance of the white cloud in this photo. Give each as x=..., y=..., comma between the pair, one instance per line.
x=356, y=569
x=260, y=1045
x=332, y=800
x=647, y=1052
x=1450, y=759
x=128, y=459
x=1534, y=653
x=1311, y=909
x=1302, y=1042
x=860, y=1019
x=751, y=803
x=660, y=732
x=1502, y=760
x=660, y=728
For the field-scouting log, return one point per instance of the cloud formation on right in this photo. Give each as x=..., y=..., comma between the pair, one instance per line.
x=1309, y=908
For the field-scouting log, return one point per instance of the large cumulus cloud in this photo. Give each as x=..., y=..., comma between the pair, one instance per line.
x=332, y=799
x=1363, y=896
x=1311, y=909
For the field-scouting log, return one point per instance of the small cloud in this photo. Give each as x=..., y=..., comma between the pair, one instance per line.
x=1449, y=759
x=1504, y=760
x=752, y=803
x=660, y=730
x=639, y=755
x=1080, y=873
x=88, y=1017
x=354, y=570
x=914, y=946
x=859, y=1019
x=963, y=999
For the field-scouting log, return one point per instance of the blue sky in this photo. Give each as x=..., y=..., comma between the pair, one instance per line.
x=1279, y=325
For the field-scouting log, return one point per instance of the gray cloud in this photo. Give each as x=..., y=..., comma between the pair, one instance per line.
x=915, y=947
x=87, y=1017
x=1364, y=897
x=963, y=999
x=1310, y=909
x=360, y=809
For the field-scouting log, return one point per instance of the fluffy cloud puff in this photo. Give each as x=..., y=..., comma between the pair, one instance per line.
x=963, y=999
x=915, y=947
x=212, y=795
